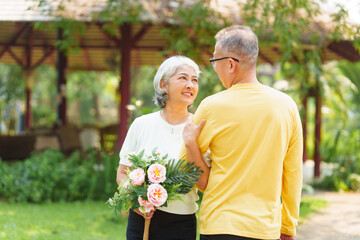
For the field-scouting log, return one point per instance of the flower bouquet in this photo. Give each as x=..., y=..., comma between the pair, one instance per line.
x=153, y=181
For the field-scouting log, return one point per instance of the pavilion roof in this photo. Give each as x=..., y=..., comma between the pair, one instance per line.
x=100, y=51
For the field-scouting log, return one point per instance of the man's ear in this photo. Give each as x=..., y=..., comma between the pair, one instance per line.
x=233, y=66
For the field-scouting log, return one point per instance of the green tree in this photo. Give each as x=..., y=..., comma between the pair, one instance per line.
x=44, y=92
x=12, y=91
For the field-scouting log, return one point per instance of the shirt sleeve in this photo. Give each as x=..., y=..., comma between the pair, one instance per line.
x=130, y=144
x=207, y=158
x=292, y=178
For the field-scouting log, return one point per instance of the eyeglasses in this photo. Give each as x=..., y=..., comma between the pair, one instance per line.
x=213, y=60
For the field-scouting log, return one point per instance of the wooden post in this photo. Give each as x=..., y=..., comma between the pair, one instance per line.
x=126, y=36
x=29, y=82
x=304, y=125
x=28, y=77
x=317, y=155
x=61, y=81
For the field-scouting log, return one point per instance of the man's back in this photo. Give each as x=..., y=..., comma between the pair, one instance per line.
x=254, y=134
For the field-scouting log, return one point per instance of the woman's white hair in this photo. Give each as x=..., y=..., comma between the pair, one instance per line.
x=165, y=71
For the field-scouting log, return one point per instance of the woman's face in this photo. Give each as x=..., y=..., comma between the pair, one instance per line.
x=182, y=87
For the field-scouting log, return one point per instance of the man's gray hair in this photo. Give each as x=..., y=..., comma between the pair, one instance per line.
x=165, y=71
x=240, y=40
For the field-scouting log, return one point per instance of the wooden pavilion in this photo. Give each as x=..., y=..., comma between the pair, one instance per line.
x=136, y=44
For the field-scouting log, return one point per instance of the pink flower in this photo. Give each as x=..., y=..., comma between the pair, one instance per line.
x=146, y=204
x=157, y=195
x=156, y=173
x=137, y=176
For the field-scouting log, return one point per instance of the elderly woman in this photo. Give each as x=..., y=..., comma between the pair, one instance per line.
x=176, y=87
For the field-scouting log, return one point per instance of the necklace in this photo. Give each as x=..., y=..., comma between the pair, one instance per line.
x=172, y=127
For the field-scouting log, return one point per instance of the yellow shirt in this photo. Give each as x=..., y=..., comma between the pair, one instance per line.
x=255, y=138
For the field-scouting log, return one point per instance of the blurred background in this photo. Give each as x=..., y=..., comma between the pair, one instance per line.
x=75, y=74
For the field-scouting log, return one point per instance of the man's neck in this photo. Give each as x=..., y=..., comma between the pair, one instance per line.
x=248, y=76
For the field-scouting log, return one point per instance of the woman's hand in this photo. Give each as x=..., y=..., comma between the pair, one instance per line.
x=192, y=131
x=147, y=215
x=121, y=173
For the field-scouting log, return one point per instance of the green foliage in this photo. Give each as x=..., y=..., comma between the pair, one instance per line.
x=344, y=153
x=282, y=22
x=309, y=205
x=199, y=24
x=209, y=84
x=116, y=13
x=12, y=91
x=340, y=131
x=352, y=72
x=12, y=85
x=50, y=176
x=183, y=174
x=43, y=94
x=287, y=24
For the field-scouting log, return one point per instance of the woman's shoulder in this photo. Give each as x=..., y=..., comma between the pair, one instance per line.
x=147, y=118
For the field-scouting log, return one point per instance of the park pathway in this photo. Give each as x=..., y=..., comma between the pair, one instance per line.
x=340, y=220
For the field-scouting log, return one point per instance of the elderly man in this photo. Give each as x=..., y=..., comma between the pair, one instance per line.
x=253, y=188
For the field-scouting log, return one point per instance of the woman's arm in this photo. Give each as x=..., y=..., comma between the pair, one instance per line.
x=190, y=134
x=121, y=173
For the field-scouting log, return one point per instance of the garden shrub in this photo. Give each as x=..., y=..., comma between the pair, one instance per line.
x=344, y=152
x=51, y=176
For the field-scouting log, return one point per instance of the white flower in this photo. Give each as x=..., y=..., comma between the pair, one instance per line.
x=98, y=167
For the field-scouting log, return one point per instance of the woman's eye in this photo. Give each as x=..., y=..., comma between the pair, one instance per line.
x=195, y=80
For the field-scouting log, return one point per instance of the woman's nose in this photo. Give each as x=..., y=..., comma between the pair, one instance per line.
x=189, y=84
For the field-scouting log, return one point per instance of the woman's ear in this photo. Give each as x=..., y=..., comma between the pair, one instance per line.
x=163, y=85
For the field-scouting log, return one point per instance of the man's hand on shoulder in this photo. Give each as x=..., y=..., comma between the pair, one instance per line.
x=286, y=237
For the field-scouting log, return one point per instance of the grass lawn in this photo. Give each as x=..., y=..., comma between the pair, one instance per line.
x=79, y=220
x=309, y=205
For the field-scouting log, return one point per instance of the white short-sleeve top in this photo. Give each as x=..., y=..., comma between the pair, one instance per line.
x=152, y=131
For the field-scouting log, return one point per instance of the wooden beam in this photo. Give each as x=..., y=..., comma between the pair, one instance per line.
x=47, y=54
x=85, y=54
x=90, y=47
x=126, y=33
x=16, y=58
x=116, y=40
x=279, y=53
x=345, y=49
x=145, y=28
x=29, y=49
x=266, y=59
x=52, y=48
x=14, y=39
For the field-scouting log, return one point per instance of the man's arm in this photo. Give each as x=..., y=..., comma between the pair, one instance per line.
x=292, y=181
